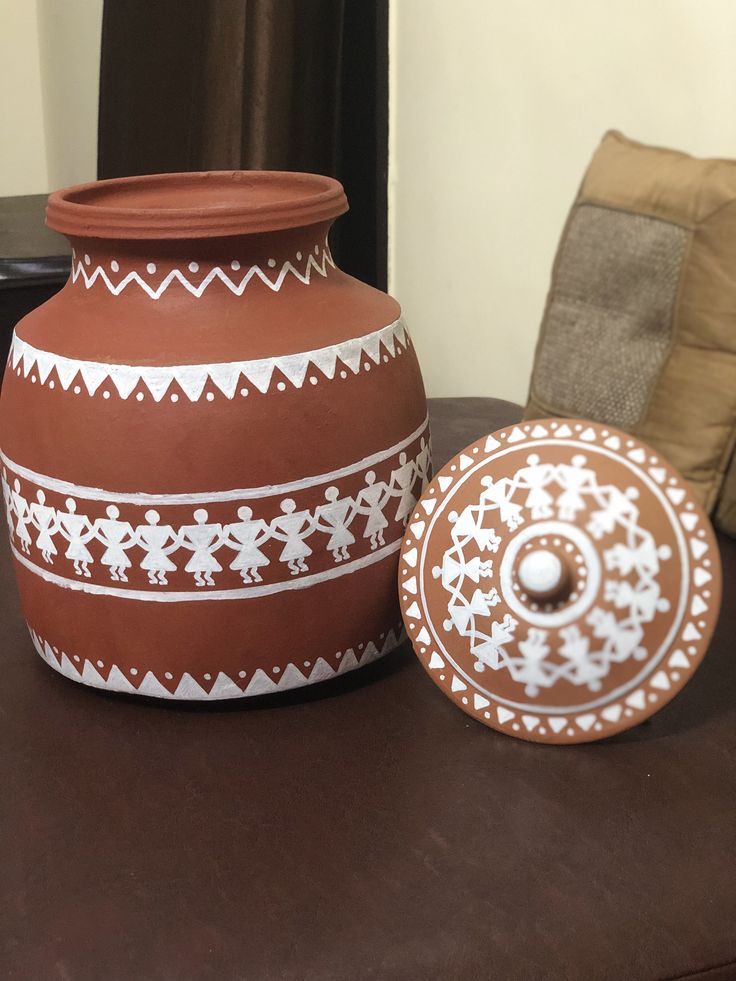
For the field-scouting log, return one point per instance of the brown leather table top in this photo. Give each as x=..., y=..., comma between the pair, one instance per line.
x=362, y=829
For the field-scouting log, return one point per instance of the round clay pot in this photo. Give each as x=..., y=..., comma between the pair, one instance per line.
x=211, y=441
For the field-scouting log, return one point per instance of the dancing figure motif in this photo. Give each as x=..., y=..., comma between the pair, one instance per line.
x=116, y=536
x=536, y=476
x=334, y=519
x=22, y=517
x=291, y=528
x=404, y=477
x=202, y=539
x=371, y=501
x=44, y=518
x=8, y=499
x=575, y=479
x=424, y=462
x=158, y=541
x=78, y=530
x=245, y=536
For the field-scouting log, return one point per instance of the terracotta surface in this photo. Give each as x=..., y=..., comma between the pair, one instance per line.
x=559, y=581
x=211, y=440
x=361, y=829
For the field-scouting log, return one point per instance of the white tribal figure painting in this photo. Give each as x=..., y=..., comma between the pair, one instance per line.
x=546, y=498
x=328, y=521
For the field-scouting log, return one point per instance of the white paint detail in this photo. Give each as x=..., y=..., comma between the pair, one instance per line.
x=565, y=614
x=691, y=633
x=637, y=700
x=586, y=721
x=661, y=681
x=676, y=494
x=216, y=273
x=192, y=378
x=698, y=606
x=678, y=660
x=410, y=557
x=224, y=687
x=688, y=520
x=540, y=571
x=246, y=592
x=698, y=547
x=209, y=497
x=701, y=577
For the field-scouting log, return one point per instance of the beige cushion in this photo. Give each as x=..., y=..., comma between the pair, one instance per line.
x=640, y=325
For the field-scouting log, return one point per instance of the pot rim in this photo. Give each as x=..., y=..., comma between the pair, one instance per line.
x=222, y=203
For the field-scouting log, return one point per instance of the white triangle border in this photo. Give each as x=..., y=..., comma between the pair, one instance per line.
x=224, y=687
x=26, y=360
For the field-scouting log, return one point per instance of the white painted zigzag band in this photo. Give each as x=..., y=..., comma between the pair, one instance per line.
x=27, y=360
x=233, y=281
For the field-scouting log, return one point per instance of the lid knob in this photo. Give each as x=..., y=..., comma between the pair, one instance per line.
x=543, y=575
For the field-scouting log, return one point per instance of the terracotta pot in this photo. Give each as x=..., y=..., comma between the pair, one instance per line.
x=212, y=439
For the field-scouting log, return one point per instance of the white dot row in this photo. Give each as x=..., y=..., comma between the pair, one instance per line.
x=210, y=396
x=207, y=676
x=194, y=267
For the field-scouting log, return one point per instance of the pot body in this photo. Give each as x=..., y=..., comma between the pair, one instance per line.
x=211, y=444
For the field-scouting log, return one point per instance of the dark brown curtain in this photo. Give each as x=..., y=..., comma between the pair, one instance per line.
x=274, y=84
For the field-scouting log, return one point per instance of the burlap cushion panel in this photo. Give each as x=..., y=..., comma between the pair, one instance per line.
x=640, y=324
x=608, y=323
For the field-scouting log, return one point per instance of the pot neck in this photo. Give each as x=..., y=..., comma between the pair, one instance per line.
x=154, y=266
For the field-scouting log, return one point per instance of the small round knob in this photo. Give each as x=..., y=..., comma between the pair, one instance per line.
x=543, y=575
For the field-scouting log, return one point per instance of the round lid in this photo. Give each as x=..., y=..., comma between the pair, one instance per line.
x=559, y=581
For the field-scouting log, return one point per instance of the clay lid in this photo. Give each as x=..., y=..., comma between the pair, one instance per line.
x=559, y=582
x=208, y=204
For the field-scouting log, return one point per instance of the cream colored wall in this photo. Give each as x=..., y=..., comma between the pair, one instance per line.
x=496, y=108
x=22, y=139
x=69, y=41
x=49, y=77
